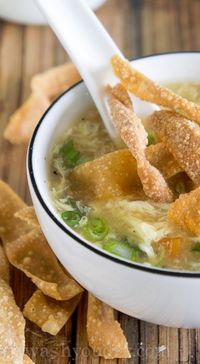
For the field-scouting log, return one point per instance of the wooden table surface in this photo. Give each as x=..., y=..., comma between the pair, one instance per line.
x=139, y=27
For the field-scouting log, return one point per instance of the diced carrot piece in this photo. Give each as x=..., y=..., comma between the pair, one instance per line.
x=173, y=246
x=185, y=212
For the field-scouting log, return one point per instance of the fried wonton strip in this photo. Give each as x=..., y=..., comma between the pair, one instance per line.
x=31, y=254
x=10, y=203
x=22, y=123
x=184, y=212
x=55, y=80
x=144, y=88
x=49, y=314
x=105, y=335
x=111, y=176
x=28, y=215
x=182, y=138
x=134, y=135
x=160, y=157
x=12, y=341
x=27, y=360
x=115, y=175
x=4, y=266
x=27, y=249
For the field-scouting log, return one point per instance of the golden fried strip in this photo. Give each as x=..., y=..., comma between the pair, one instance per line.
x=32, y=255
x=160, y=157
x=22, y=123
x=115, y=175
x=27, y=214
x=184, y=212
x=28, y=250
x=120, y=93
x=49, y=314
x=105, y=335
x=134, y=135
x=147, y=90
x=45, y=86
x=10, y=203
x=27, y=360
x=182, y=138
x=111, y=176
x=12, y=340
x=55, y=80
x=4, y=266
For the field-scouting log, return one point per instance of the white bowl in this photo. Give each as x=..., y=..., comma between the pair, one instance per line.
x=26, y=11
x=160, y=296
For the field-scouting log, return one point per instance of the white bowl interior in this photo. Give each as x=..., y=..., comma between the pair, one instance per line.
x=161, y=68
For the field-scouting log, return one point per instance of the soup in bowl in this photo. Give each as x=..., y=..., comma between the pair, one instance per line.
x=125, y=248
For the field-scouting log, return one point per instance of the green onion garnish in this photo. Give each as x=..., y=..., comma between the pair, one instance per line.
x=122, y=249
x=151, y=138
x=71, y=218
x=83, y=160
x=72, y=203
x=196, y=247
x=96, y=229
x=69, y=154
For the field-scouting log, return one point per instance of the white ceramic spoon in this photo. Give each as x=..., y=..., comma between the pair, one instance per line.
x=89, y=46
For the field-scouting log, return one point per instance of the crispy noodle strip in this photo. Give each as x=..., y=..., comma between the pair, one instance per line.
x=27, y=360
x=160, y=157
x=134, y=135
x=22, y=123
x=184, y=212
x=105, y=335
x=182, y=139
x=12, y=340
x=27, y=214
x=49, y=314
x=55, y=80
x=45, y=87
x=27, y=249
x=147, y=90
x=4, y=266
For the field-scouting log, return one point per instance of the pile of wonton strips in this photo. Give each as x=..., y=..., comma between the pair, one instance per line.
x=173, y=127
x=176, y=126
x=57, y=294
x=25, y=247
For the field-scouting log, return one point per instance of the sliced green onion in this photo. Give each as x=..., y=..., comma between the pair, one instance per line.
x=122, y=249
x=71, y=218
x=83, y=160
x=72, y=203
x=196, y=247
x=151, y=138
x=96, y=229
x=69, y=154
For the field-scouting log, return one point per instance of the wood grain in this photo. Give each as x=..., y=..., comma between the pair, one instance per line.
x=139, y=27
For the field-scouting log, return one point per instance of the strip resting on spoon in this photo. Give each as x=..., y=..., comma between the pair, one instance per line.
x=144, y=88
x=134, y=135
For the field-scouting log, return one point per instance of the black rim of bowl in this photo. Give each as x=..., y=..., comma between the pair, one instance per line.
x=78, y=239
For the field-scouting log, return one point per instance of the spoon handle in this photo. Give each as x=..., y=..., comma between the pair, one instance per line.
x=88, y=45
